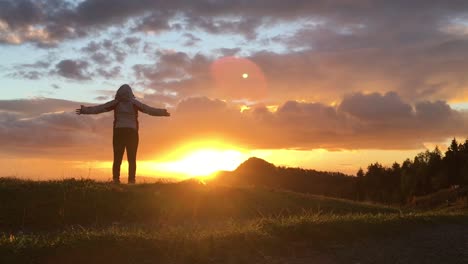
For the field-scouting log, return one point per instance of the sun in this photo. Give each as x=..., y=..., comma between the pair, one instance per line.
x=245, y=75
x=200, y=159
x=204, y=162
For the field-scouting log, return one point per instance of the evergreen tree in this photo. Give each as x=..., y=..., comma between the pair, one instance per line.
x=452, y=163
x=360, y=185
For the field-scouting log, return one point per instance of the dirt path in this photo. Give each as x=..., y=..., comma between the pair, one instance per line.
x=436, y=244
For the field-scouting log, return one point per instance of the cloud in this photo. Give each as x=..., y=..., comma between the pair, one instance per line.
x=433, y=71
x=154, y=23
x=31, y=71
x=36, y=106
x=417, y=49
x=295, y=125
x=176, y=72
x=132, y=42
x=30, y=75
x=380, y=74
x=229, y=52
x=53, y=135
x=102, y=98
x=192, y=40
x=73, y=69
x=302, y=125
x=245, y=26
x=375, y=107
x=110, y=74
x=65, y=19
x=231, y=77
x=24, y=21
x=100, y=52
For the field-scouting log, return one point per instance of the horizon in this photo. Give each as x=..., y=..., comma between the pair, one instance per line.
x=331, y=87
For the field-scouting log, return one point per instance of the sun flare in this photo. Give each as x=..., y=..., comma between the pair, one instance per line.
x=200, y=159
x=203, y=162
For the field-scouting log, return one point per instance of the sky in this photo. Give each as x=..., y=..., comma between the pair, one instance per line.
x=327, y=85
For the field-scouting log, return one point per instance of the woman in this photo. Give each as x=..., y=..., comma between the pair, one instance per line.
x=125, y=136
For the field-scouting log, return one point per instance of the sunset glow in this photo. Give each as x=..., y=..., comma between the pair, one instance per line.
x=197, y=158
x=202, y=162
x=237, y=80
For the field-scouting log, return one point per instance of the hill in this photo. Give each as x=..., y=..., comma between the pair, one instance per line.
x=29, y=205
x=450, y=199
x=258, y=172
x=83, y=221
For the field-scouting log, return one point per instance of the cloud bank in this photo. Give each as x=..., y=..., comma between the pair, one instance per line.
x=360, y=121
x=343, y=74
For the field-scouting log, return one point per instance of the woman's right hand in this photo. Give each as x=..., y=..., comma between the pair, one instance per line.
x=79, y=110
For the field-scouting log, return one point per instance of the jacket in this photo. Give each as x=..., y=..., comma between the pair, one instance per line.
x=125, y=108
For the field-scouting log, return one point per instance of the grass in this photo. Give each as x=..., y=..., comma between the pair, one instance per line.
x=49, y=205
x=82, y=221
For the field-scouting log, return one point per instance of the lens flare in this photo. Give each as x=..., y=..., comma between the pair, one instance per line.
x=238, y=78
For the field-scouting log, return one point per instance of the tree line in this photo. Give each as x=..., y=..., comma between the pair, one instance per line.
x=428, y=172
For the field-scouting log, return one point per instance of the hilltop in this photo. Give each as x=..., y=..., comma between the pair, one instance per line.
x=83, y=221
x=258, y=172
x=30, y=205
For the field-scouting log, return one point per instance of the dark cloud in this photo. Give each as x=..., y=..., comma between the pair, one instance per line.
x=132, y=42
x=24, y=21
x=376, y=107
x=73, y=69
x=20, y=13
x=31, y=71
x=106, y=51
x=408, y=57
x=417, y=49
x=192, y=40
x=56, y=135
x=318, y=75
x=229, y=52
x=110, y=74
x=302, y=125
x=63, y=19
x=245, y=26
x=154, y=23
x=102, y=98
x=201, y=106
x=437, y=112
x=415, y=72
x=295, y=125
x=30, y=75
x=114, y=48
x=176, y=71
x=36, y=106
x=41, y=64
x=100, y=58
x=92, y=47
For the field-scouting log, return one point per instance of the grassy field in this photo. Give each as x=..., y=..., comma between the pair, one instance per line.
x=82, y=221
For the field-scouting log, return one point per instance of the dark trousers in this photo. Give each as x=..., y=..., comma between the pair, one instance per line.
x=125, y=139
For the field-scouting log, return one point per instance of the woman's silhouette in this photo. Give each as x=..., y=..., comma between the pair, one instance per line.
x=125, y=136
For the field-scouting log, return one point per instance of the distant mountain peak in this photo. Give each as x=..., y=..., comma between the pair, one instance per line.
x=254, y=164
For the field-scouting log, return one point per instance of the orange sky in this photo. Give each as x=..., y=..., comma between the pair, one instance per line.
x=329, y=86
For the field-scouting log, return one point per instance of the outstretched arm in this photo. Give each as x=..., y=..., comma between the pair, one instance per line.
x=150, y=110
x=96, y=109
